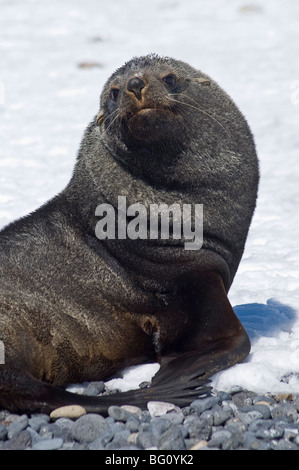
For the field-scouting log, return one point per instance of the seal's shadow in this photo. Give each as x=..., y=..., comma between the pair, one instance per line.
x=265, y=319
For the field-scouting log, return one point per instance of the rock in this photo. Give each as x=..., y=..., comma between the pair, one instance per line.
x=265, y=399
x=159, y=408
x=3, y=432
x=146, y=440
x=88, y=427
x=199, y=445
x=248, y=417
x=118, y=413
x=96, y=445
x=35, y=437
x=91, y=391
x=70, y=411
x=172, y=439
x=235, y=426
x=158, y=426
x=35, y=422
x=221, y=415
x=133, y=423
x=264, y=409
x=204, y=404
x=283, y=396
x=251, y=442
x=48, y=444
x=135, y=410
x=198, y=429
x=224, y=396
x=20, y=441
x=94, y=388
x=219, y=438
x=63, y=428
x=283, y=444
x=243, y=398
x=290, y=433
x=285, y=411
x=17, y=426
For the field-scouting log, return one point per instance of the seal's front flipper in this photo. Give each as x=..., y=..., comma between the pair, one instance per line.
x=218, y=339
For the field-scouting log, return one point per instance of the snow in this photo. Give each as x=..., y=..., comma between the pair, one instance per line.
x=250, y=48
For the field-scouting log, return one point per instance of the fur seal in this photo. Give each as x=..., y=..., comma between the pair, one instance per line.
x=74, y=307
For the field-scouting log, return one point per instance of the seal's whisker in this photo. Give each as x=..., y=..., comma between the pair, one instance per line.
x=199, y=109
x=113, y=120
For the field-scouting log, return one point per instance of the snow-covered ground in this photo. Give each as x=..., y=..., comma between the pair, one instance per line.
x=250, y=47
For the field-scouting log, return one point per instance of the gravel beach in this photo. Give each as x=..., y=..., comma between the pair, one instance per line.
x=237, y=420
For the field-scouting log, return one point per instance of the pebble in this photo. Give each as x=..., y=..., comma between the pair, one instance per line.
x=17, y=426
x=159, y=408
x=204, y=404
x=135, y=410
x=118, y=413
x=172, y=439
x=48, y=444
x=237, y=420
x=88, y=427
x=70, y=411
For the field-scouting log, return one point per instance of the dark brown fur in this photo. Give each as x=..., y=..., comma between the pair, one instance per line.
x=75, y=308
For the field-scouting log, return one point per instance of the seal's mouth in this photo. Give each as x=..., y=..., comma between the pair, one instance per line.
x=152, y=123
x=150, y=110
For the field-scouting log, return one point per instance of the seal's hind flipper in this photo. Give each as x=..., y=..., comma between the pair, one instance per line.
x=21, y=392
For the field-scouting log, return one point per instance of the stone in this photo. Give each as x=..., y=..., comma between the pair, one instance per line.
x=135, y=410
x=146, y=440
x=159, y=408
x=172, y=439
x=118, y=413
x=221, y=415
x=95, y=388
x=35, y=422
x=20, y=441
x=219, y=438
x=248, y=417
x=48, y=444
x=199, y=445
x=243, y=398
x=133, y=423
x=69, y=411
x=17, y=426
x=199, y=429
x=204, y=404
x=224, y=396
x=3, y=432
x=88, y=427
x=158, y=426
x=285, y=411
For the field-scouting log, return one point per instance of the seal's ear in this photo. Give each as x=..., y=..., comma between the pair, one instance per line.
x=203, y=81
x=100, y=117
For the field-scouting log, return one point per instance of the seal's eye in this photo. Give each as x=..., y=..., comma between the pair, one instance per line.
x=114, y=92
x=170, y=79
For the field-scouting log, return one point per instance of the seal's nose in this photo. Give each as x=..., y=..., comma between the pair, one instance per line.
x=135, y=85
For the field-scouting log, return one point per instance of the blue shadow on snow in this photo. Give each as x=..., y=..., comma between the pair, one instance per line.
x=265, y=319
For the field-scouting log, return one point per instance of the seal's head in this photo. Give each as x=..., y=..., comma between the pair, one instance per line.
x=144, y=105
